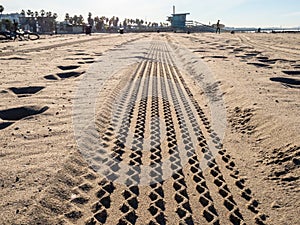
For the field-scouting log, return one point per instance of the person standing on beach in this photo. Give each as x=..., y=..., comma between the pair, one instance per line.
x=218, y=27
x=15, y=29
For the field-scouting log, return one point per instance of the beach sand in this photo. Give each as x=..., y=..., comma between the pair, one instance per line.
x=152, y=97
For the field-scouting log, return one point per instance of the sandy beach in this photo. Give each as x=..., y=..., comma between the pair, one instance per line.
x=150, y=128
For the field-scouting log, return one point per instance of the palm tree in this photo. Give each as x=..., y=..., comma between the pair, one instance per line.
x=1, y=9
x=80, y=20
x=71, y=20
x=125, y=23
x=75, y=19
x=42, y=13
x=116, y=22
x=137, y=21
x=29, y=12
x=67, y=17
x=111, y=21
x=49, y=14
x=90, y=20
x=23, y=12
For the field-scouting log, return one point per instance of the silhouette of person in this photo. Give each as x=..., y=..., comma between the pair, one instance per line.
x=218, y=30
x=15, y=28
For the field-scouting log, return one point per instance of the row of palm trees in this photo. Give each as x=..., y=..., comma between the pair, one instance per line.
x=79, y=20
x=103, y=22
x=42, y=13
x=99, y=22
x=30, y=13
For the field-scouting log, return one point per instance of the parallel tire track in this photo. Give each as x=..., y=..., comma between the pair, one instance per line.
x=155, y=118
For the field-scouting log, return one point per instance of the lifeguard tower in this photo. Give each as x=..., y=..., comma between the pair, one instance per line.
x=178, y=21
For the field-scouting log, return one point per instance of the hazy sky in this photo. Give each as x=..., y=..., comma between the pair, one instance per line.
x=237, y=13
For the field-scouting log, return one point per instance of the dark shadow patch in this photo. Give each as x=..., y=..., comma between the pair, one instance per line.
x=262, y=57
x=81, y=54
x=252, y=54
x=26, y=90
x=21, y=112
x=238, y=50
x=199, y=51
x=5, y=125
x=296, y=66
x=71, y=58
x=269, y=61
x=51, y=77
x=219, y=57
x=289, y=82
x=69, y=74
x=88, y=58
x=285, y=61
x=72, y=67
x=90, y=61
x=14, y=58
x=259, y=64
x=87, y=62
x=291, y=72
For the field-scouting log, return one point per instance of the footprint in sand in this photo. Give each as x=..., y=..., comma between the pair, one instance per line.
x=19, y=113
x=65, y=75
x=15, y=58
x=292, y=72
x=296, y=66
x=259, y=64
x=71, y=67
x=4, y=125
x=51, y=77
x=288, y=82
x=26, y=91
x=15, y=114
x=69, y=74
x=87, y=60
x=81, y=53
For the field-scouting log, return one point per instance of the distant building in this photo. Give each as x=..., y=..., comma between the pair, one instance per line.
x=6, y=20
x=66, y=27
x=11, y=17
x=36, y=24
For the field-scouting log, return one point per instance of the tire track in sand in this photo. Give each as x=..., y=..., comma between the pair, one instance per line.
x=155, y=118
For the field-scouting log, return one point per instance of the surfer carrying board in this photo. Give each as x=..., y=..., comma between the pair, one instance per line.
x=218, y=27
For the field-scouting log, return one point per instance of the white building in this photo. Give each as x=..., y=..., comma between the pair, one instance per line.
x=11, y=17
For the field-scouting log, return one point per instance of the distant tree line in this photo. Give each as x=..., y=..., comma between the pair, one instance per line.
x=47, y=19
x=102, y=23
x=42, y=13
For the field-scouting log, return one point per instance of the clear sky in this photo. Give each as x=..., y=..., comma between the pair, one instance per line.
x=236, y=13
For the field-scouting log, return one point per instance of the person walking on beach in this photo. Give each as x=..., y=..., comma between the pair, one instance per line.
x=218, y=27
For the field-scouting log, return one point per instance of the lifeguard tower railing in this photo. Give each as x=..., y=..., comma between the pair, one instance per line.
x=195, y=26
